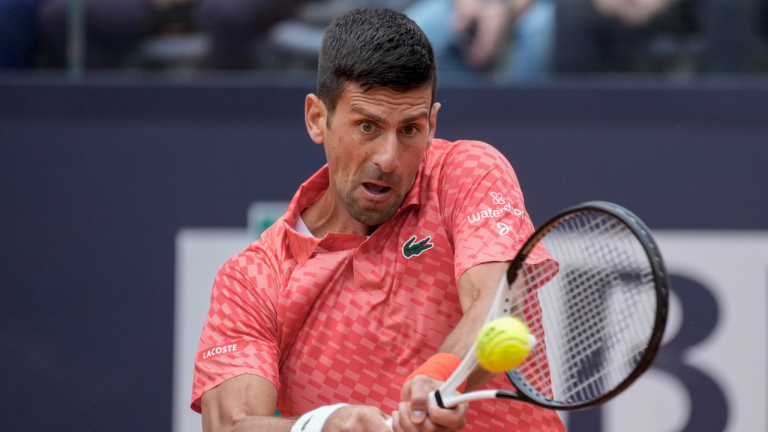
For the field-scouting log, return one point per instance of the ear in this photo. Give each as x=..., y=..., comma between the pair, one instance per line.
x=315, y=115
x=433, y=122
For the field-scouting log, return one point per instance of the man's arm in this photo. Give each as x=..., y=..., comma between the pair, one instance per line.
x=491, y=21
x=632, y=13
x=247, y=403
x=243, y=403
x=477, y=289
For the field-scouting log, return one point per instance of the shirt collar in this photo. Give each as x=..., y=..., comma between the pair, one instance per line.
x=413, y=197
x=302, y=246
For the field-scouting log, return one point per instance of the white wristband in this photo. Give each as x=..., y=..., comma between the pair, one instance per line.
x=314, y=420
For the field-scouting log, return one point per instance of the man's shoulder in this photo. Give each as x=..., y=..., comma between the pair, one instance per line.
x=450, y=150
x=262, y=258
x=446, y=157
x=441, y=146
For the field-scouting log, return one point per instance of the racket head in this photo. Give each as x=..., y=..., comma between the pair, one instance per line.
x=609, y=281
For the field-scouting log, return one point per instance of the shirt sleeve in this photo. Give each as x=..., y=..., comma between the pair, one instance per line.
x=483, y=208
x=240, y=332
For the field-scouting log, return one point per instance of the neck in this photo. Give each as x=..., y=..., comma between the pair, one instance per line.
x=328, y=214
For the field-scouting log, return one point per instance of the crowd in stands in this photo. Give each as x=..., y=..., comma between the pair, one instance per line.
x=473, y=39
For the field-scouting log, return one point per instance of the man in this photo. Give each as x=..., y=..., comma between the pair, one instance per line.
x=594, y=36
x=386, y=256
x=115, y=26
x=510, y=38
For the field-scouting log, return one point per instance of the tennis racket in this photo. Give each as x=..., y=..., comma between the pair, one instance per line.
x=592, y=287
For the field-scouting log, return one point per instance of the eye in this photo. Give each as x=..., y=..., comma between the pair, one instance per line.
x=410, y=130
x=366, y=127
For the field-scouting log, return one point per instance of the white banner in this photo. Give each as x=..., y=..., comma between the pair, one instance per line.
x=710, y=376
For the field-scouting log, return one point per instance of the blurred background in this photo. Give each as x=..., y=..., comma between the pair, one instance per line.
x=143, y=142
x=503, y=41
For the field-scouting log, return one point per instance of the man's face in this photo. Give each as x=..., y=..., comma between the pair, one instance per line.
x=374, y=148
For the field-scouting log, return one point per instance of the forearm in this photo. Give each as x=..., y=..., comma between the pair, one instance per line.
x=254, y=424
x=477, y=289
x=244, y=403
x=460, y=340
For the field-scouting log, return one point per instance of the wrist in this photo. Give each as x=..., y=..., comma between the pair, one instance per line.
x=314, y=420
x=439, y=367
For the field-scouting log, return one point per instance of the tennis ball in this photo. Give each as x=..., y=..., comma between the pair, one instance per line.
x=503, y=343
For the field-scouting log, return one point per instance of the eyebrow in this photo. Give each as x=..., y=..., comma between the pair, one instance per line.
x=369, y=115
x=413, y=118
x=378, y=119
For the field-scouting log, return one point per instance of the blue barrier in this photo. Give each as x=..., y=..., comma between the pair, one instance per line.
x=96, y=178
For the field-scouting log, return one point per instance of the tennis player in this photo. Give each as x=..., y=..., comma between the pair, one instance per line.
x=373, y=284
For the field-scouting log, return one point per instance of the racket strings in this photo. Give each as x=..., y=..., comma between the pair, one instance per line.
x=591, y=307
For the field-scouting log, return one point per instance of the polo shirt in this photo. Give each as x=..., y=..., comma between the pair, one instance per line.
x=346, y=318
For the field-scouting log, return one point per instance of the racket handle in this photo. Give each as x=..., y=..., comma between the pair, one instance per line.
x=432, y=401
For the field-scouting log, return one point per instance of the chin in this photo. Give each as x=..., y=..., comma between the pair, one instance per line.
x=368, y=212
x=373, y=217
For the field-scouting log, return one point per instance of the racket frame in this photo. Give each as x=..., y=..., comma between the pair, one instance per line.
x=528, y=393
x=444, y=398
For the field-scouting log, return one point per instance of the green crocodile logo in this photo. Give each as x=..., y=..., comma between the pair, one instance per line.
x=411, y=249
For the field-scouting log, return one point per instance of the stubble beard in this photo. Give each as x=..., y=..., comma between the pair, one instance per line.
x=369, y=217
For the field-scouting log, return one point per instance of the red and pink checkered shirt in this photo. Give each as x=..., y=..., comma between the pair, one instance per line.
x=347, y=318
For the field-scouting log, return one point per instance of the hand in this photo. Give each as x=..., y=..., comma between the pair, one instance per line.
x=357, y=418
x=415, y=414
x=491, y=21
x=465, y=13
x=631, y=12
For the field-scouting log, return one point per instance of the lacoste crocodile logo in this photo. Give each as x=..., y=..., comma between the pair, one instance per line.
x=411, y=249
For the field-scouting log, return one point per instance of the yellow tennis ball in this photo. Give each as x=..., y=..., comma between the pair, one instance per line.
x=503, y=344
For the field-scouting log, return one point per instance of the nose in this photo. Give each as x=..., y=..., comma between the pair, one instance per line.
x=386, y=156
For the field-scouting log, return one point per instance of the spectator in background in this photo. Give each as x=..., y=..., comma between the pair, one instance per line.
x=236, y=25
x=471, y=37
x=18, y=33
x=114, y=26
x=610, y=35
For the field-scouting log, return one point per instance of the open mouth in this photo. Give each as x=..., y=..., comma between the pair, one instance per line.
x=376, y=189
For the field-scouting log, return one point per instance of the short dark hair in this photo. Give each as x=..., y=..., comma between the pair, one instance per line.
x=374, y=48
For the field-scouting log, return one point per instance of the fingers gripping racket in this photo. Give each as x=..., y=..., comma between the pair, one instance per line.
x=592, y=287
